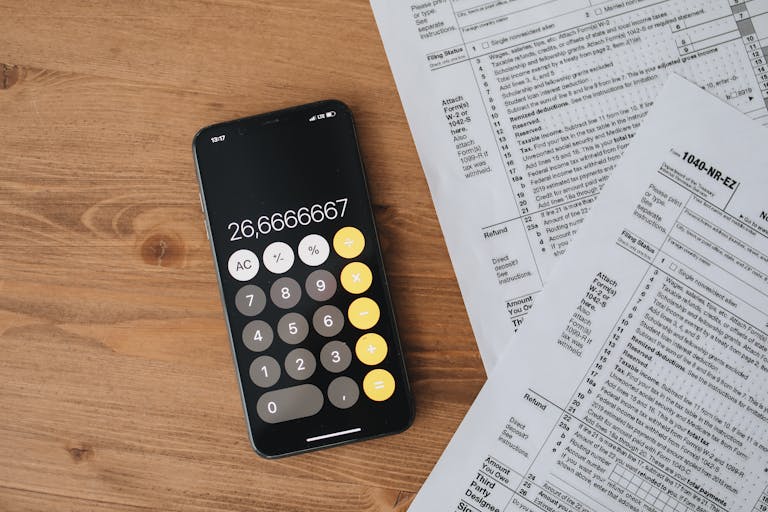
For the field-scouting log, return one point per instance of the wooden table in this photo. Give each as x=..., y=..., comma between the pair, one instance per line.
x=117, y=389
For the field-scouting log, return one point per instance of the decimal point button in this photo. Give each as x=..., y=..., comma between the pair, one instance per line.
x=343, y=392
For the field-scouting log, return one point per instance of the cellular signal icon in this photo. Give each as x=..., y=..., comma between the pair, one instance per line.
x=317, y=117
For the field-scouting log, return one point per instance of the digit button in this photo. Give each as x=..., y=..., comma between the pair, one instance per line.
x=328, y=321
x=250, y=300
x=285, y=293
x=335, y=356
x=300, y=364
x=257, y=335
x=290, y=403
x=264, y=371
x=293, y=328
x=321, y=285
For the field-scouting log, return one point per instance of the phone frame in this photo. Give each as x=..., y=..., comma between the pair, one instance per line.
x=241, y=127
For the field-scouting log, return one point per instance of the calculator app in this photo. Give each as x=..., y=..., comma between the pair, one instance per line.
x=311, y=322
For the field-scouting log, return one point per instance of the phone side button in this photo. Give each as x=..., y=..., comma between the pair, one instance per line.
x=290, y=403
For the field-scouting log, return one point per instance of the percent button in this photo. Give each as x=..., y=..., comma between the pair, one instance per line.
x=314, y=250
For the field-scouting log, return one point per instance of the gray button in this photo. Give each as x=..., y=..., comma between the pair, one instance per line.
x=328, y=321
x=300, y=364
x=250, y=300
x=335, y=356
x=343, y=392
x=257, y=335
x=320, y=285
x=264, y=371
x=285, y=293
x=292, y=328
x=290, y=403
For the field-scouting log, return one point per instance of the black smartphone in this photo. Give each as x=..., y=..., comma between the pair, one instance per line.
x=302, y=280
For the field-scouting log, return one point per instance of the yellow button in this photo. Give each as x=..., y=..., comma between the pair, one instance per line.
x=379, y=385
x=363, y=313
x=348, y=242
x=356, y=277
x=371, y=349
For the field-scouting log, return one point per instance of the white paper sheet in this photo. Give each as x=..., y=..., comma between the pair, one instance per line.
x=640, y=379
x=520, y=109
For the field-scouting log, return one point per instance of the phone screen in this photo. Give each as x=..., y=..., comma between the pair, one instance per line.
x=286, y=189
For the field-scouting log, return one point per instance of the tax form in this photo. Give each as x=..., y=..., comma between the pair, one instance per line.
x=639, y=382
x=521, y=108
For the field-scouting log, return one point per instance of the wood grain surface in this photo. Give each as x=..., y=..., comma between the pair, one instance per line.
x=117, y=389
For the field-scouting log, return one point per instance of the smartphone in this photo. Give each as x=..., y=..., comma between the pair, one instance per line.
x=310, y=319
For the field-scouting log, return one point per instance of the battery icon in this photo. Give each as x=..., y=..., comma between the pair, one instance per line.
x=330, y=113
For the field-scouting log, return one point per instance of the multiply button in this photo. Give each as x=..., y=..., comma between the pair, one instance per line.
x=371, y=349
x=379, y=385
x=348, y=242
x=356, y=277
x=243, y=265
x=363, y=313
x=290, y=403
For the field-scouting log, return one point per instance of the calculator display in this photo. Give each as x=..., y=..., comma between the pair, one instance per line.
x=312, y=326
